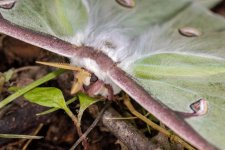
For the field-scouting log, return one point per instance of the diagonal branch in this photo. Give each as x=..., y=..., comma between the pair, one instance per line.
x=126, y=132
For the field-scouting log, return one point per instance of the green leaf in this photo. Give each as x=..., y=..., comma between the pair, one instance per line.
x=34, y=84
x=55, y=109
x=46, y=96
x=50, y=97
x=85, y=102
x=16, y=136
x=56, y=17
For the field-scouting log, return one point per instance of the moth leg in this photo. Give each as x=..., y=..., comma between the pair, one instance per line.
x=167, y=133
x=60, y=65
x=100, y=88
x=81, y=77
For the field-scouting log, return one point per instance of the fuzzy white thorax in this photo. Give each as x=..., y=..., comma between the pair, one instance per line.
x=104, y=34
x=92, y=66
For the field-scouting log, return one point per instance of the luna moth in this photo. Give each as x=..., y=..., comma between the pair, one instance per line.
x=141, y=51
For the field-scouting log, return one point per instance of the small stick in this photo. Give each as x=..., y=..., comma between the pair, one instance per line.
x=35, y=133
x=91, y=126
x=77, y=124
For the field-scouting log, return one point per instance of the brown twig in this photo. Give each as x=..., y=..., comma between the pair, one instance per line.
x=77, y=125
x=125, y=132
x=35, y=133
x=97, y=119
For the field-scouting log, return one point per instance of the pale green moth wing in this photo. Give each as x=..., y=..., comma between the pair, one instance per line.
x=180, y=70
x=61, y=18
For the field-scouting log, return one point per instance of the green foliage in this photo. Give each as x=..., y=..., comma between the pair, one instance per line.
x=53, y=97
x=85, y=102
x=46, y=96
x=55, y=109
x=50, y=97
x=34, y=84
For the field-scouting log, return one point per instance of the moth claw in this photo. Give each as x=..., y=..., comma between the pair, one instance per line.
x=99, y=88
x=81, y=78
x=76, y=87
